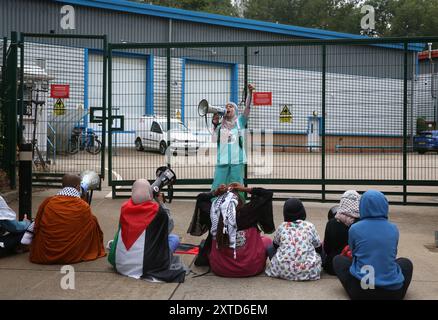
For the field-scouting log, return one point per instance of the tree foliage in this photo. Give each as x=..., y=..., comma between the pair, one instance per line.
x=393, y=17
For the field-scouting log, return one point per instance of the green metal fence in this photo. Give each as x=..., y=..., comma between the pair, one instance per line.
x=3, y=47
x=61, y=104
x=8, y=97
x=339, y=114
x=328, y=115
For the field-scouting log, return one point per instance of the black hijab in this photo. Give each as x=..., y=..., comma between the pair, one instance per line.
x=293, y=210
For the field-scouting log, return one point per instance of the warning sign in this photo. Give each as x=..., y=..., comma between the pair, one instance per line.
x=262, y=98
x=59, y=91
x=59, y=108
x=178, y=114
x=285, y=115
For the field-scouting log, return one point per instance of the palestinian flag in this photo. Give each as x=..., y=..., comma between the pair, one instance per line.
x=141, y=248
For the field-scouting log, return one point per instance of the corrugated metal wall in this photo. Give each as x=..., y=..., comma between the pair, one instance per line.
x=425, y=68
x=44, y=16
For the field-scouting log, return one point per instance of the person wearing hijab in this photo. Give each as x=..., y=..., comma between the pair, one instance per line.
x=229, y=136
x=143, y=246
x=234, y=246
x=296, y=242
x=336, y=229
x=11, y=230
x=375, y=272
x=65, y=229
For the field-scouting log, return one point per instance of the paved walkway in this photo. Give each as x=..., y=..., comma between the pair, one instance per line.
x=20, y=279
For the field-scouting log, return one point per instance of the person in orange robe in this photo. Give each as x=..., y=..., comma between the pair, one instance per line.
x=65, y=230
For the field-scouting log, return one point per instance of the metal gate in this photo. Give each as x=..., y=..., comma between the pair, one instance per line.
x=339, y=114
x=8, y=113
x=62, y=103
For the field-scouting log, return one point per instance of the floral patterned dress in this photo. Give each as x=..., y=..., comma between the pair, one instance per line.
x=296, y=258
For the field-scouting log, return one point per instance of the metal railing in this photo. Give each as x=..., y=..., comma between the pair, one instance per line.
x=360, y=96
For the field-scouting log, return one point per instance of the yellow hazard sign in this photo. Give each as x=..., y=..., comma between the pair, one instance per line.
x=178, y=114
x=59, y=108
x=285, y=115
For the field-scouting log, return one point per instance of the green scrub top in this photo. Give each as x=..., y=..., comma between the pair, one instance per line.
x=229, y=150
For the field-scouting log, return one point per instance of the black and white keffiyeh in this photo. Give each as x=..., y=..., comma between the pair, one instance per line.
x=225, y=205
x=69, y=192
x=348, y=209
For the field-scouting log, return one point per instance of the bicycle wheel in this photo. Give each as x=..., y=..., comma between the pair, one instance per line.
x=73, y=145
x=94, y=146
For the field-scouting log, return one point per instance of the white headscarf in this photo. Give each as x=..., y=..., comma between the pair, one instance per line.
x=348, y=210
x=230, y=123
x=6, y=213
x=141, y=191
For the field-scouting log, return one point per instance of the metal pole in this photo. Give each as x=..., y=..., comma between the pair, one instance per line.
x=104, y=107
x=25, y=181
x=245, y=58
x=411, y=122
x=405, y=122
x=110, y=122
x=12, y=110
x=168, y=104
x=21, y=90
x=324, y=67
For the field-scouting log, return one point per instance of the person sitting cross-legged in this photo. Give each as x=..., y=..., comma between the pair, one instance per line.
x=234, y=246
x=11, y=230
x=295, y=254
x=374, y=272
x=336, y=229
x=143, y=246
x=65, y=230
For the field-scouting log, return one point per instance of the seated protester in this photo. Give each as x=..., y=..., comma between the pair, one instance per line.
x=65, y=230
x=295, y=241
x=11, y=230
x=332, y=212
x=234, y=247
x=143, y=246
x=373, y=242
x=336, y=229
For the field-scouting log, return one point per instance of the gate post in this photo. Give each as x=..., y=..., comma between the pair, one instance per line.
x=110, y=120
x=245, y=59
x=25, y=181
x=405, y=122
x=104, y=108
x=11, y=107
x=323, y=88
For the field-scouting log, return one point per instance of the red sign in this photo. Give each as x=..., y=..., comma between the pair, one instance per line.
x=262, y=98
x=59, y=91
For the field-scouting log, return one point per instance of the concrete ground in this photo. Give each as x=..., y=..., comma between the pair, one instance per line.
x=20, y=279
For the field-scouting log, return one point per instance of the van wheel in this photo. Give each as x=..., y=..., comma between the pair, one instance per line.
x=138, y=145
x=163, y=147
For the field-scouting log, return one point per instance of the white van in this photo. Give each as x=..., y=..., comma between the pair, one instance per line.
x=152, y=134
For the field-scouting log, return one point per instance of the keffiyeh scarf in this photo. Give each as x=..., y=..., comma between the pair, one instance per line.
x=225, y=206
x=69, y=192
x=348, y=210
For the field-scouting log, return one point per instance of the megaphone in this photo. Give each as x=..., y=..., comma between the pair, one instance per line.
x=165, y=177
x=204, y=107
x=90, y=181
